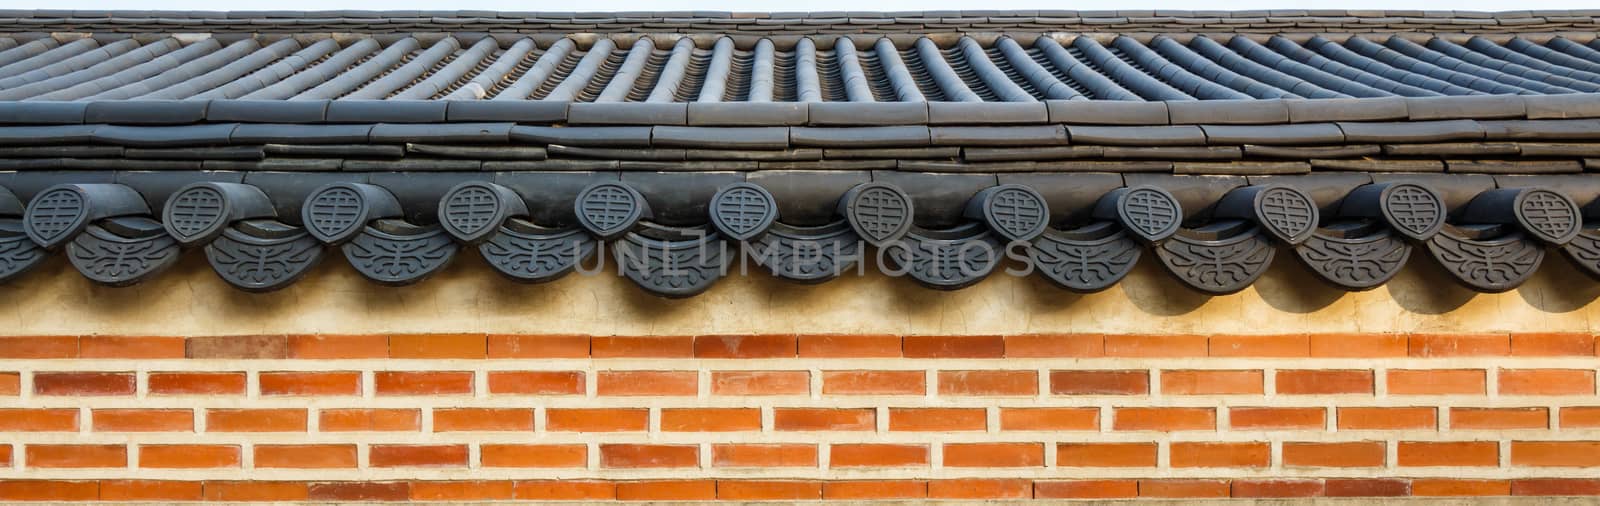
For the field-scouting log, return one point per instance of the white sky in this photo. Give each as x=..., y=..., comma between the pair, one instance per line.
x=792, y=5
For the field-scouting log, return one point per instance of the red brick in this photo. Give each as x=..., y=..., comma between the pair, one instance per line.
x=877, y=455
x=1277, y=488
x=760, y=382
x=462, y=490
x=630, y=456
x=149, y=490
x=710, y=419
x=256, y=491
x=39, y=420
x=993, y=455
x=1051, y=419
x=1324, y=382
x=1430, y=487
x=1106, y=455
x=1555, y=487
x=980, y=489
x=1575, y=417
x=310, y=383
x=1460, y=345
x=197, y=383
x=534, y=456
x=1499, y=418
x=673, y=383
x=1186, y=454
x=1387, y=418
x=246, y=347
x=1056, y=346
x=642, y=347
x=1277, y=418
x=1359, y=345
x=569, y=490
x=1350, y=454
x=338, y=347
x=482, y=419
x=1555, y=453
x=317, y=456
x=1184, y=489
x=820, y=419
x=256, y=420
x=849, y=346
x=937, y=419
x=370, y=420
x=188, y=456
x=1546, y=382
x=538, y=346
x=39, y=347
x=759, y=346
x=1366, y=487
x=753, y=490
x=1436, y=381
x=1086, y=489
x=77, y=456
x=361, y=491
x=49, y=490
x=596, y=419
x=536, y=382
x=1147, y=346
x=1292, y=345
x=1165, y=419
x=1099, y=382
x=874, y=383
x=1449, y=453
x=954, y=346
x=83, y=383
x=1552, y=344
x=422, y=383
x=1211, y=382
x=438, y=346
x=417, y=455
x=143, y=420
x=666, y=490
x=875, y=489
x=763, y=455
x=10, y=383
x=992, y=383
x=131, y=347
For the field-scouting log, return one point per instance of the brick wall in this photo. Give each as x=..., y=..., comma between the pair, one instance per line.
x=414, y=417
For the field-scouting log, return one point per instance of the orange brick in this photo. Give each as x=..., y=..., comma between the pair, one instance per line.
x=370, y=420
x=319, y=456
x=566, y=490
x=1052, y=419
x=759, y=346
x=1546, y=382
x=993, y=455
x=1056, y=346
x=310, y=383
x=1435, y=381
x=642, y=347
x=1576, y=417
x=1184, y=489
x=1086, y=489
x=83, y=383
x=1555, y=453
x=5, y=456
x=536, y=382
x=1165, y=419
x=39, y=347
x=1552, y=344
x=131, y=347
x=1359, y=345
x=710, y=419
x=1352, y=454
x=980, y=489
x=1277, y=418
x=1449, y=453
x=143, y=420
x=1556, y=487
x=541, y=456
x=937, y=419
x=338, y=347
x=1186, y=454
x=1211, y=382
x=149, y=490
x=1499, y=418
x=760, y=382
x=954, y=346
x=10, y=383
x=757, y=490
x=1460, y=345
x=1276, y=488
x=1431, y=487
x=874, y=383
x=1324, y=382
x=629, y=456
x=417, y=455
x=462, y=491
x=988, y=383
x=538, y=346
x=877, y=455
x=849, y=346
x=596, y=420
x=763, y=455
x=1293, y=345
x=256, y=491
x=39, y=420
x=482, y=419
x=1156, y=346
x=1106, y=455
x=188, y=456
x=256, y=420
x=1099, y=382
x=1387, y=418
x=76, y=456
x=874, y=489
x=666, y=490
x=438, y=346
x=49, y=490
x=235, y=347
x=422, y=382
x=197, y=383
x=362, y=491
x=674, y=383
x=824, y=419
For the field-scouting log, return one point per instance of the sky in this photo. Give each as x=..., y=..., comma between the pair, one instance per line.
x=791, y=5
